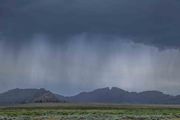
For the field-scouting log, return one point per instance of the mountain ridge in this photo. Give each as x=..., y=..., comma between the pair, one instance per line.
x=23, y=96
x=101, y=95
x=118, y=95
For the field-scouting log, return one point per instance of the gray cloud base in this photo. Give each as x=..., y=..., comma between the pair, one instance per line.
x=84, y=65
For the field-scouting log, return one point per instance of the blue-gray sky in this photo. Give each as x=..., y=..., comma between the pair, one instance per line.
x=69, y=46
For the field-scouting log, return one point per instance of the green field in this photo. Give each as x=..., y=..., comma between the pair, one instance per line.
x=89, y=112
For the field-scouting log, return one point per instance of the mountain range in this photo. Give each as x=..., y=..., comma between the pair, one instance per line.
x=103, y=95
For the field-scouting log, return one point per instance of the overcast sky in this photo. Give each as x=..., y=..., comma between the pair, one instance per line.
x=69, y=46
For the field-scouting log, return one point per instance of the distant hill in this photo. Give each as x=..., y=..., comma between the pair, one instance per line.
x=103, y=95
x=22, y=96
x=117, y=95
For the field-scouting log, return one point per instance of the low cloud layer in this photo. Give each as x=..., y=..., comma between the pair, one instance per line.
x=86, y=63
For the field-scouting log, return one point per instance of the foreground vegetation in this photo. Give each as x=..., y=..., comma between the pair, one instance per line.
x=89, y=112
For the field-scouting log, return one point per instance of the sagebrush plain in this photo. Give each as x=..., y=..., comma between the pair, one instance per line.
x=89, y=112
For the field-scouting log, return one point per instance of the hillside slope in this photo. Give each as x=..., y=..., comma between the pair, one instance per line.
x=22, y=96
x=117, y=95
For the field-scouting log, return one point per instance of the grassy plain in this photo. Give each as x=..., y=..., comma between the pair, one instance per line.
x=89, y=112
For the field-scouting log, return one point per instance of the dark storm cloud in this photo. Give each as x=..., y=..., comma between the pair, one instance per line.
x=69, y=46
x=148, y=21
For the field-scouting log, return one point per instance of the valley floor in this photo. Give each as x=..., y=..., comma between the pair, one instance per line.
x=89, y=112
